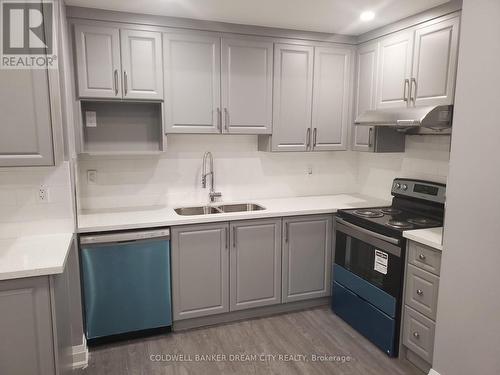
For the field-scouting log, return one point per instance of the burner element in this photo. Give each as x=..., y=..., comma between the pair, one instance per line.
x=424, y=221
x=399, y=224
x=368, y=213
x=391, y=211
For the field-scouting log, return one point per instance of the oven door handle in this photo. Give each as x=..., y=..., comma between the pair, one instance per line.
x=392, y=240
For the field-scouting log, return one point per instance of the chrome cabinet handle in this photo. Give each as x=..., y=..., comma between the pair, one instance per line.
x=234, y=237
x=308, y=138
x=116, y=81
x=226, y=119
x=416, y=335
x=315, y=134
x=420, y=292
x=125, y=83
x=226, y=232
x=421, y=257
x=370, y=137
x=413, y=85
x=405, y=93
x=286, y=232
x=219, y=119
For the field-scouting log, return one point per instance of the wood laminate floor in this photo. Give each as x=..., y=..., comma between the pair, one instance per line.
x=305, y=333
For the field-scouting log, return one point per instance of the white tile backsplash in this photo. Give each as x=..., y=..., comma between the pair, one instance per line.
x=20, y=211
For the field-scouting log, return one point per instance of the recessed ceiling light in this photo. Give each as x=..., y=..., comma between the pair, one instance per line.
x=367, y=16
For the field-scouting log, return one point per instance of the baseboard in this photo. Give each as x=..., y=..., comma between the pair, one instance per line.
x=80, y=354
x=433, y=372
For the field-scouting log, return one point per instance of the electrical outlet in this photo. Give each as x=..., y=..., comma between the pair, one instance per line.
x=43, y=194
x=309, y=170
x=91, y=177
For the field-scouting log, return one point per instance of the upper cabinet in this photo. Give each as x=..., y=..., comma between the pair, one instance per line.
x=192, y=83
x=26, y=130
x=418, y=66
x=247, y=85
x=311, y=98
x=435, y=63
x=103, y=74
x=395, y=56
x=217, y=85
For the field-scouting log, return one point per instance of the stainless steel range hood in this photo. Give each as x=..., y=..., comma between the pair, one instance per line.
x=415, y=120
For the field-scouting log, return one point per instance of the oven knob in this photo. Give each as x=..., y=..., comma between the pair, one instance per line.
x=397, y=185
x=404, y=187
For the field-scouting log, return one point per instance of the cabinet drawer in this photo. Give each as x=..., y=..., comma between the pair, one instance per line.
x=422, y=291
x=418, y=334
x=424, y=257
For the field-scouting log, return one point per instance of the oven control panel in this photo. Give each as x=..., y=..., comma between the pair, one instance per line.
x=427, y=190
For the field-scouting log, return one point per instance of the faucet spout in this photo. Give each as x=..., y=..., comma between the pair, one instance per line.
x=204, y=174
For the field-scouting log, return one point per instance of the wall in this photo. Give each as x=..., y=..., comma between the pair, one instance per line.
x=468, y=319
x=426, y=157
x=20, y=211
x=241, y=172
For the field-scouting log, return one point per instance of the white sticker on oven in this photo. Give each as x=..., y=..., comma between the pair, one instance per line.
x=381, y=261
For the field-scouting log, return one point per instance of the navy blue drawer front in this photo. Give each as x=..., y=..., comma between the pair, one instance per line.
x=372, y=323
x=377, y=297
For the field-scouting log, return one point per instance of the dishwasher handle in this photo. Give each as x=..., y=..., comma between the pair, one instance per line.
x=125, y=236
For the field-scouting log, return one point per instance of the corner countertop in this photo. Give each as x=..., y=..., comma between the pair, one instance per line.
x=30, y=256
x=432, y=237
x=98, y=221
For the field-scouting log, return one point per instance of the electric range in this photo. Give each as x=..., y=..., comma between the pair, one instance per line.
x=370, y=252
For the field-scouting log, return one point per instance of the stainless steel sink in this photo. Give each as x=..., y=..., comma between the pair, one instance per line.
x=241, y=207
x=208, y=210
x=197, y=210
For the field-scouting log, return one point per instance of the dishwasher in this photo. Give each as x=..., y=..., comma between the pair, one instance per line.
x=126, y=282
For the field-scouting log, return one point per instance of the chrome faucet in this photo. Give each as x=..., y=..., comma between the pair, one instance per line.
x=213, y=194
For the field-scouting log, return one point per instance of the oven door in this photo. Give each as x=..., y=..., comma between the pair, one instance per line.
x=371, y=256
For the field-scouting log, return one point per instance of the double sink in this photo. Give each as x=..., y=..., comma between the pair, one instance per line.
x=224, y=208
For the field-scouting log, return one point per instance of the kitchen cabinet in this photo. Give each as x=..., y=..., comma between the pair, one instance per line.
x=366, y=80
x=141, y=64
x=247, y=85
x=200, y=270
x=331, y=97
x=255, y=263
x=103, y=73
x=293, y=83
x=26, y=134
x=435, y=63
x=394, y=70
x=306, y=260
x=192, y=82
x=35, y=326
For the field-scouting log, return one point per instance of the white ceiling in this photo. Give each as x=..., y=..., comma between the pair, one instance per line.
x=332, y=16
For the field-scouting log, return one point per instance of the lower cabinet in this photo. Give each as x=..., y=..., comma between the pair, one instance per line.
x=306, y=261
x=255, y=263
x=222, y=267
x=200, y=270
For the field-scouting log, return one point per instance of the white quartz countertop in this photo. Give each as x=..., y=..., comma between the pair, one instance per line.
x=432, y=237
x=96, y=221
x=34, y=255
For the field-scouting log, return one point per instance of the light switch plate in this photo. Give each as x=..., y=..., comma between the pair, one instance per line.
x=90, y=119
x=91, y=177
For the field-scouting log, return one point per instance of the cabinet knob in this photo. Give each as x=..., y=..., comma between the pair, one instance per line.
x=420, y=292
x=421, y=257
x=416, y=335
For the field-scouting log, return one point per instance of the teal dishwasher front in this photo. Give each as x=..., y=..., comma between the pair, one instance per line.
x=126, y=282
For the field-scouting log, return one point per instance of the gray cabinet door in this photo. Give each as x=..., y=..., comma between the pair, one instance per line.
x=435, y=63
x=247, y=86
x=292, y=93
x=394, y=73
x=366, y=89
x=331, y=94
x=98, y=61
x=200, y=270
x=306, y=267
x=26, y=129
x=192, y=83
x=255, y=263
x=26, y=346
x=142, y=68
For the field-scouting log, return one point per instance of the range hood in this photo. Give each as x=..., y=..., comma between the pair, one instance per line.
x=415, y=120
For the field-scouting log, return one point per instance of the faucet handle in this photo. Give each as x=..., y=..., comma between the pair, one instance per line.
x=214, y=194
